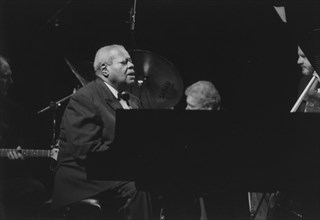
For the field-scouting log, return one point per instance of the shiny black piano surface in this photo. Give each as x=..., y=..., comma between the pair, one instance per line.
x=253, y=151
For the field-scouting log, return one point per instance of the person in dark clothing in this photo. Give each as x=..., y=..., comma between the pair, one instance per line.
x=195, y=199
x=302, y=201
x=216, y=204
x=88, y=125
x=201, y=95
x=20, y=194
x=311, y=102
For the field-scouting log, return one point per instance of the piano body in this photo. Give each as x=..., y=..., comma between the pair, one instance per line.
x=211, y=151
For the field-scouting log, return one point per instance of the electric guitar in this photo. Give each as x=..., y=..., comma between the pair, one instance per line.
x=52, y=153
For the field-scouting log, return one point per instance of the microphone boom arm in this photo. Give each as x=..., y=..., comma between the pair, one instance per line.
x=54, y=104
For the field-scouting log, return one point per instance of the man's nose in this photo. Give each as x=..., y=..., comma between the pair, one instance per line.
x=300, y=60
x=131, y=65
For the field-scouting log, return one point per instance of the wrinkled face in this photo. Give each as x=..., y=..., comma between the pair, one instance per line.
x=195, y=104
x=306, y=67
x=121, y=70
x=5, y=78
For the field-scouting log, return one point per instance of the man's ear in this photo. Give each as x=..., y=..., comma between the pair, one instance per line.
x=104, y=70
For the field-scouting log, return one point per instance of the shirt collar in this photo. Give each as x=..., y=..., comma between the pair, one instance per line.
x=113, y=90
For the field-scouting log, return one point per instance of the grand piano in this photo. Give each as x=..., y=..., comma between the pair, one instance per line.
x=212, y=151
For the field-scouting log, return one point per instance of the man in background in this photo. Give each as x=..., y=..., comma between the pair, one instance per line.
x=202, y=95
x=216, y=204
x=20, y=194
x=311, y=102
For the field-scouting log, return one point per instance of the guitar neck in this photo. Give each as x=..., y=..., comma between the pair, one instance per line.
x=27, y=153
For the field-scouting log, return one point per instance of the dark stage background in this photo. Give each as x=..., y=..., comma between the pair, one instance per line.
x=243, y=47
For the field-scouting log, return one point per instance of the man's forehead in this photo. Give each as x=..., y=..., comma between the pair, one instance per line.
x=300, y=51
x=120, y=52
x=193, y=99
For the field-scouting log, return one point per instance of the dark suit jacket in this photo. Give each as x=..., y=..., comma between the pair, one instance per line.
x=87, y=125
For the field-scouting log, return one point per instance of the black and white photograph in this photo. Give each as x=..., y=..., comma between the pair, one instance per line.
x=159, y=109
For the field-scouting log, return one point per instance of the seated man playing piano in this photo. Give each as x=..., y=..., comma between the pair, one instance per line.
x=88, y=125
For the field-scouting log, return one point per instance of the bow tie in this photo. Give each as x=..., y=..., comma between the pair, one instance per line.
x=123, y=95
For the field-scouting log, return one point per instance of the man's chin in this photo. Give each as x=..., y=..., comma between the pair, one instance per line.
x=130, y=80
x=306, y=72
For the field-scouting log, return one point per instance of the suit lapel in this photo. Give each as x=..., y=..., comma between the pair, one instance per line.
x=132, y=103
x=113, y=103
x=111, y=100
x=107, y=95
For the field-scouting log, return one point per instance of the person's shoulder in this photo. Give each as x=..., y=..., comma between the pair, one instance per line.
x=86, y=90
x=89, y=93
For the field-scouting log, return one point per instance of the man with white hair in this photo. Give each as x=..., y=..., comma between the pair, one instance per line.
x=202, y=95
x=88, y=125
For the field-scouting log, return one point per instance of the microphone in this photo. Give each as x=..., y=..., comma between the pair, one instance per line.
x=133, y=15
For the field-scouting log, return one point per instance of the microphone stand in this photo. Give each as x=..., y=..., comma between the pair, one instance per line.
x=58, y=103
x=55, y=16
x=140, y=82
x=132, y=24
x=54, y=106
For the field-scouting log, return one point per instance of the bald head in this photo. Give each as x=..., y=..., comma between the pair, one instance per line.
x=106, y=55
